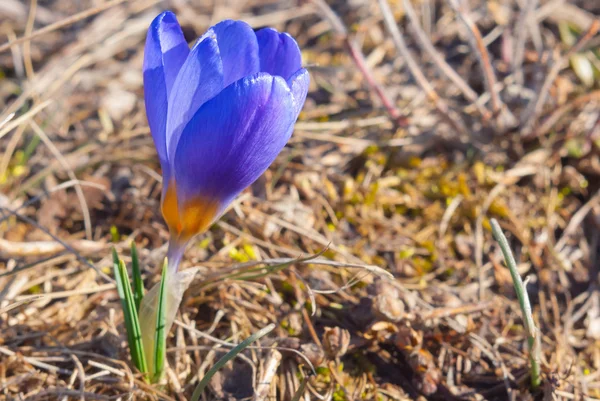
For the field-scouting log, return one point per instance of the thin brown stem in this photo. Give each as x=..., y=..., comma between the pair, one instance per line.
x=439, y=60
x=535, y=107
x=560, y=112
x=483, y=56
x=416, y=72
x=359, y=60
x=61, y=24
x=521, y=37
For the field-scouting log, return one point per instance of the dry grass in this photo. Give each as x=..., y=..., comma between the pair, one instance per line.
x=404, y=151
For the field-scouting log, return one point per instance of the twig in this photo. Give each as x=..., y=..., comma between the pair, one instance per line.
x=55, y=392
x=63, y=185
x=532, y=332
x=440, y=62
x=478, y=45
x=440, y=104
x=359, y=60
x=301, y=388
x=226, y=358
x=6, y=128
x=35, y=362
x=27, y=45
x=85, y=210
x=80, y=376
x=535, y=107
x=561, y=111
x=521, y=37
x=99, y=365
x=65, y=294
x=14, y=249
x=278, y=262
x=270, y=368
x=479, y=235
x=448, y=214
x=576, y=220
x=453, y=311
x=61, y=24
x=200, y=334
x=64, y=244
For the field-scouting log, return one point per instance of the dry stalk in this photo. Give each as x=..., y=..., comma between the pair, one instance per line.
x=61, y=24
x=27, y=45
x=452, y=118
x=440, y=62
x=10, y=125
x=536, y=106
x=560, y=112
x=270, y=367
x=480, y=49
x=61, y=242
x=361, y=63
x=521, y=37
x=85, y=210
x=14, y=249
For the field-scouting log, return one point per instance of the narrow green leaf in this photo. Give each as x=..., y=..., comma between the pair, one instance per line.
x=132, y=325
x=116, y=262
x=134, y=333
x=533, y=340
x=120, y=284
x=226, y=358
x=160, y=343
x=261, y=271
x=136, y=277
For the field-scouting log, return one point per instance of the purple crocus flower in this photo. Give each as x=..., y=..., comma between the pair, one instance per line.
x=219, y=114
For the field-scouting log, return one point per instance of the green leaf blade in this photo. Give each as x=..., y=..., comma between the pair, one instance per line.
x=227, y=357
x=130, y=315
x=138, y=284
x=533, y=340
x=160, y=343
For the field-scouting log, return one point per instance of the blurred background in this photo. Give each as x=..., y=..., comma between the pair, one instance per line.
x=424, y=120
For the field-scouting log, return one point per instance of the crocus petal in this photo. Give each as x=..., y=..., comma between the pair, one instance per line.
x=232, y=140
x=299, y=83
x=164, y=54
x=199, y=79
x=278, y=52
x=238, y=48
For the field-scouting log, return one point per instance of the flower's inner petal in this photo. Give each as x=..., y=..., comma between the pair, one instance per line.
x=233, y=139
x=164, y=54
x=299, y=83
x=278, y=52
x=200, y=78
x=238, y=48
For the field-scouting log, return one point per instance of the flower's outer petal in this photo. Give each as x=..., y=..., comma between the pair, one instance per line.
x=299, y=83
x=200, y=79
x=278, y=52
x=232, y=140
x=164, y=54
x=238, y=48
